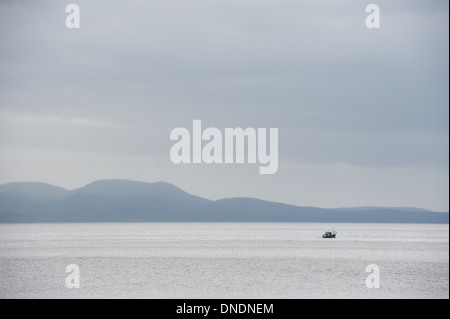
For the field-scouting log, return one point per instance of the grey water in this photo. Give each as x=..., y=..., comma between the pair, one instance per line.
x=223, y=260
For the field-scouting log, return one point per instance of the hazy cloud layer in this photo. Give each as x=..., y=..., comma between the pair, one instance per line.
x=362, y=114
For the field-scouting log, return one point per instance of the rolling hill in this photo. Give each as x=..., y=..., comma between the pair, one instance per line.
x=129, y=201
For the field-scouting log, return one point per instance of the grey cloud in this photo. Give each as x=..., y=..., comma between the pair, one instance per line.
x=338, y=92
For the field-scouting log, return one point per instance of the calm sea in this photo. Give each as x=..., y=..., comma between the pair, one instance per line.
x=232, y=260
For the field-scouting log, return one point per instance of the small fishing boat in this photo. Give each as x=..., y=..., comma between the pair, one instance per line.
x=329, y=234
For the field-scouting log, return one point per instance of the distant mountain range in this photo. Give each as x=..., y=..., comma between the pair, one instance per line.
x=129, y=201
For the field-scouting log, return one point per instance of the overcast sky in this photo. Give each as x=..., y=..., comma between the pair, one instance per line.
x=362, y=113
